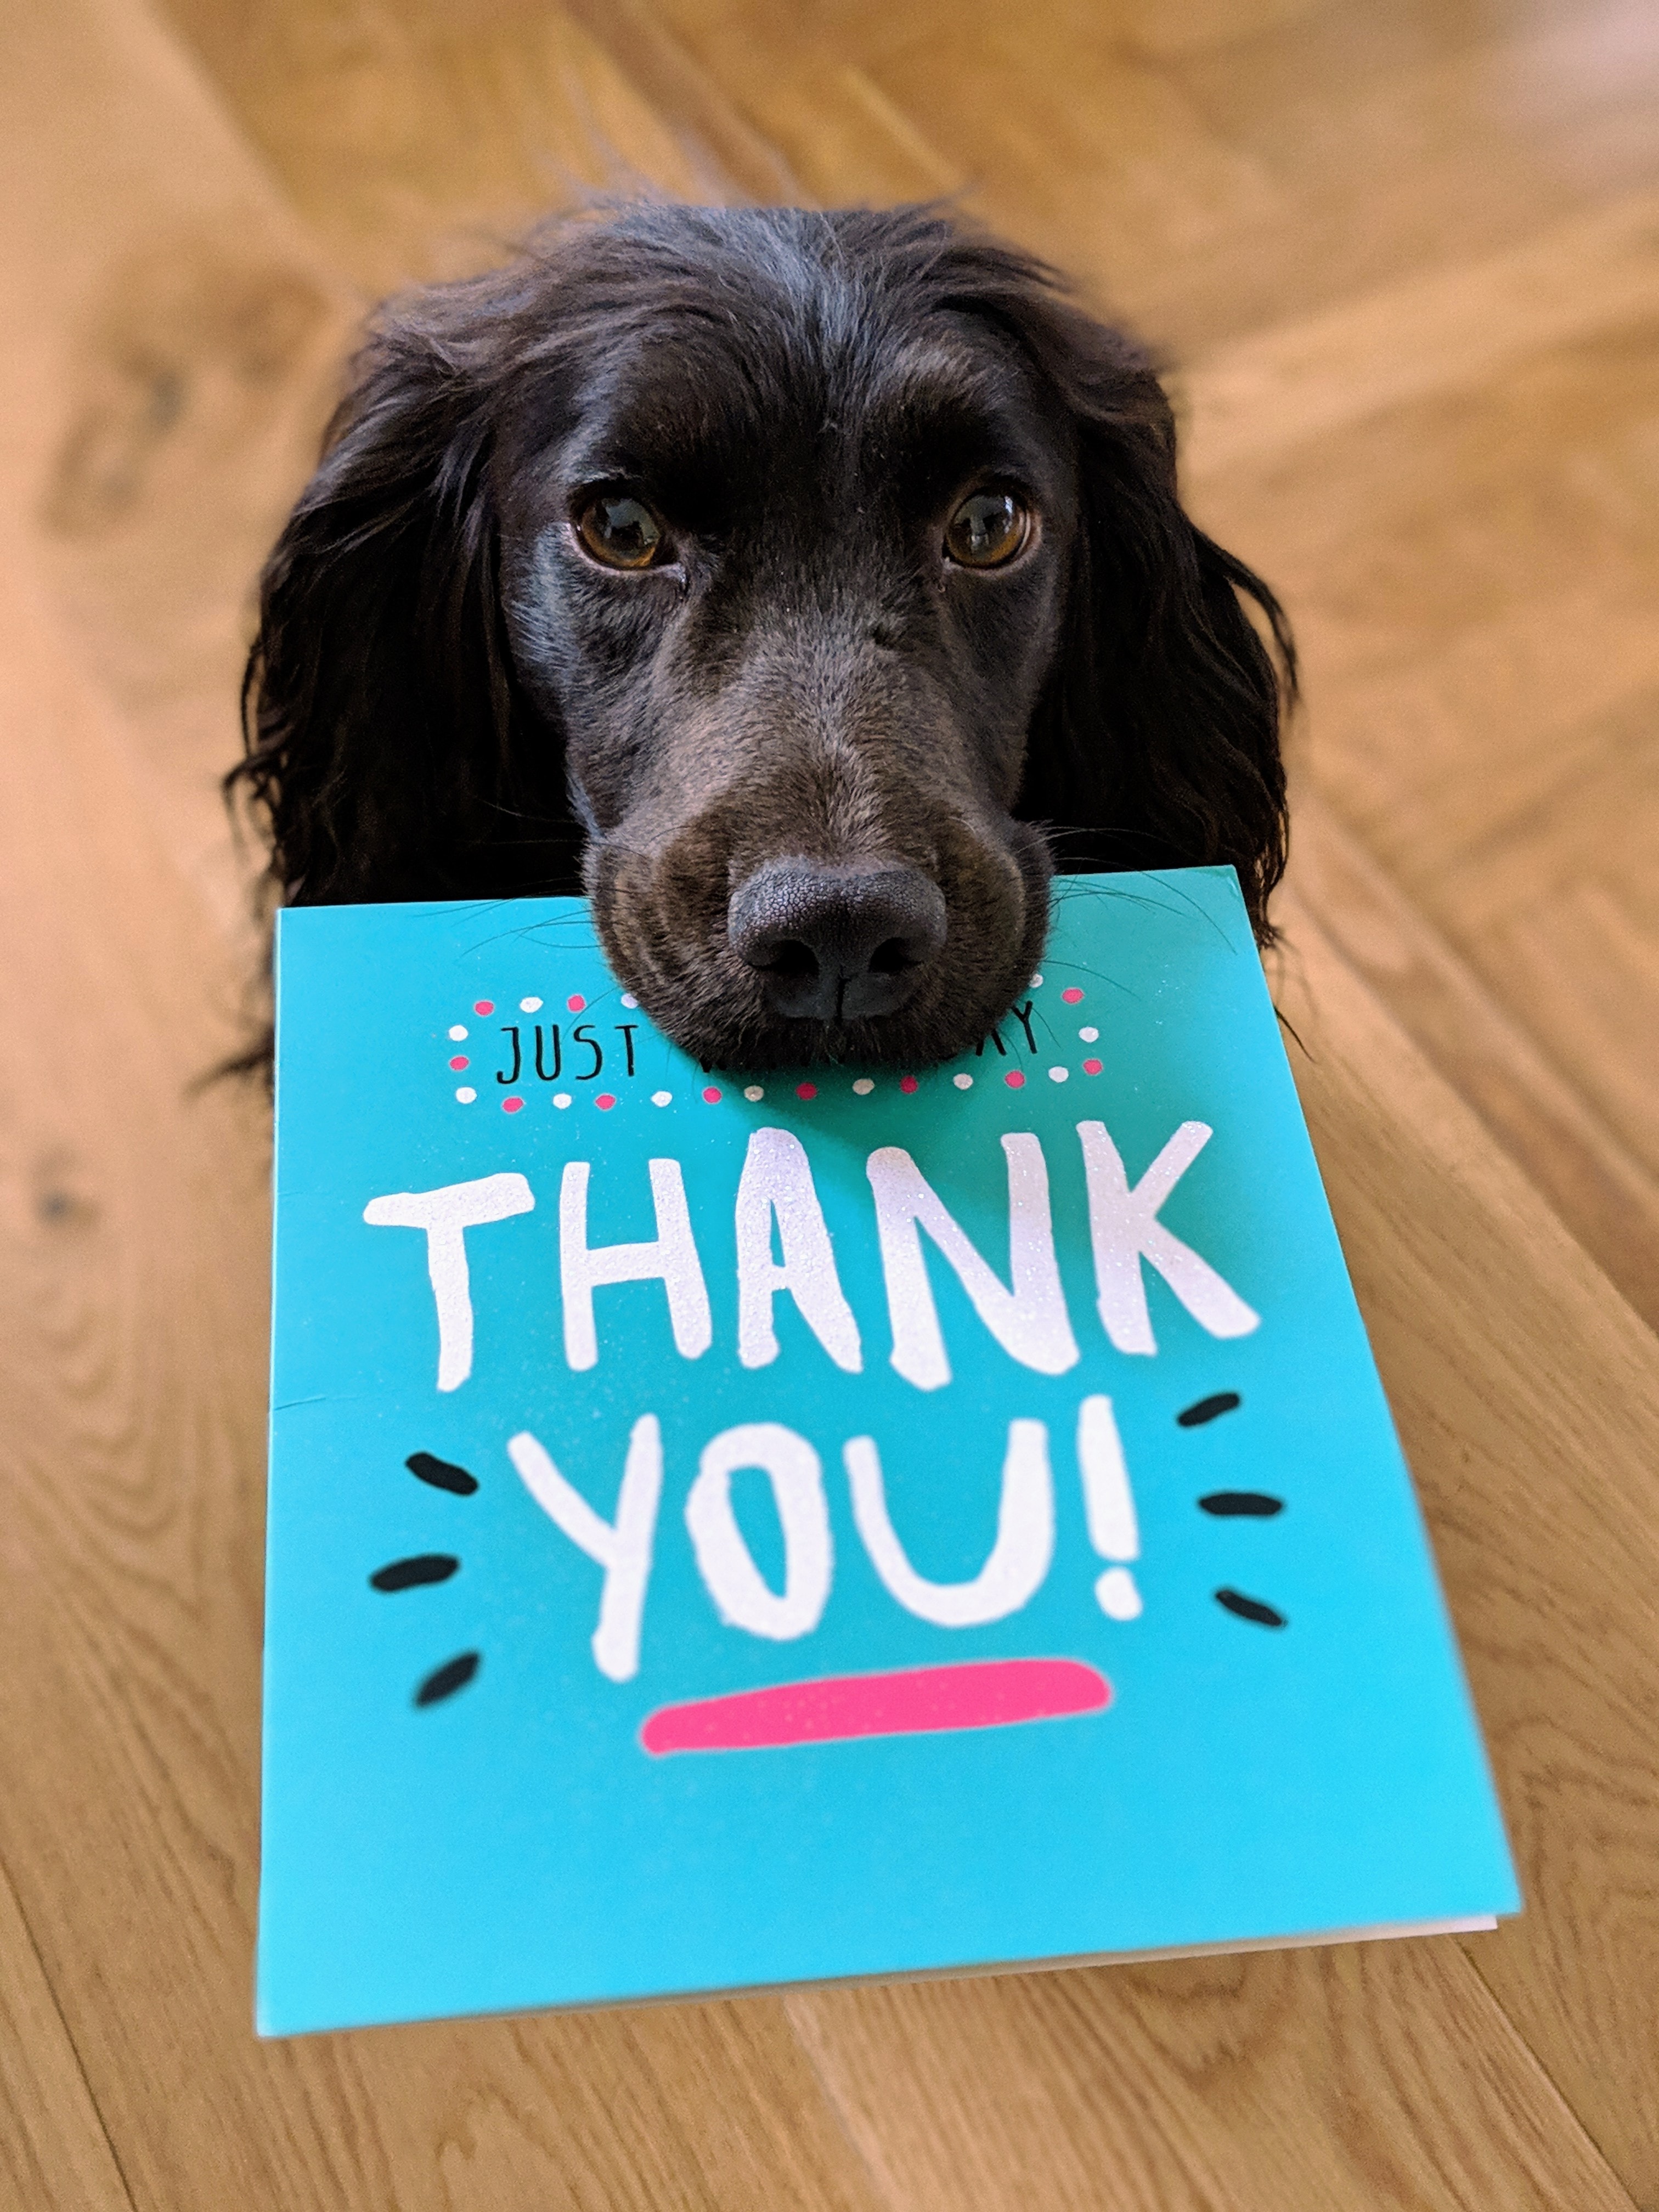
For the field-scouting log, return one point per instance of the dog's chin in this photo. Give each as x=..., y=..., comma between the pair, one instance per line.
x=723, y=1021
x=755, y=1046
x=676, y=962
x=755, y=1041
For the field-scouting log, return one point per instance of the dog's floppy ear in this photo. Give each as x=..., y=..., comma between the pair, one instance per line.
x=1159, y=744
x=390, y=750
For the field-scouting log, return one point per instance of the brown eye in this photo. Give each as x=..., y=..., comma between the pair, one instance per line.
x=621, y=532
x=988, y=528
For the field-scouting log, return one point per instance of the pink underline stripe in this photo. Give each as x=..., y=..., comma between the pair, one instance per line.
x=913, y=1700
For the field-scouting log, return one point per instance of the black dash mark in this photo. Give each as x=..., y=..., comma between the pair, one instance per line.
x=1242, y=1504
x=441, y=1474
x=410, y=1574
x=1251, y=1608
x=1207, y=1409
x=443, y=1682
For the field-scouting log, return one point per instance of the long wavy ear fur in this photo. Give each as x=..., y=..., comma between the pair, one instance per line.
x=390, y=752
x=1158, y=743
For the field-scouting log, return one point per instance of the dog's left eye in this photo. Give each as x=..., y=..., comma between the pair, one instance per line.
x=988, y=528
x=619, y=531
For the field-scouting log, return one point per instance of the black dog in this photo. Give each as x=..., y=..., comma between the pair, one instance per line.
x=801, y=586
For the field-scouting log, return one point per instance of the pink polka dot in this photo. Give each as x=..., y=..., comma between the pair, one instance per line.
x=806, y=1090
x=604, y=1102
x=1014, y=1080
x=511, y=1105
x=483, y=1006
x=1073, y=997
x=1092, y=1068
x=460, y=1062
x=907, y=1083
x=711, y=1096
x=576, y=1002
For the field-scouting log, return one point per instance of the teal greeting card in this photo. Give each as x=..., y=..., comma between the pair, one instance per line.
x=726, y=1532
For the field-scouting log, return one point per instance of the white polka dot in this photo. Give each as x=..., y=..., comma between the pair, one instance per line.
x=1037, y=982
x=530, y=1006
x=962, y=1082
x=629, y=1000
x=1058, y=1074
x=662, y=1098
x=864, y=1086
x=753, y=1093
x=1088, y=1035
x=561, y=1099
x=466, y=1094
x=459, y=1031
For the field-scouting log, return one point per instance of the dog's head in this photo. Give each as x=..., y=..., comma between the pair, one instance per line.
x=796, y=583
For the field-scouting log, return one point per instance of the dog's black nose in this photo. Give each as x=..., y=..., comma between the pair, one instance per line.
x=837, y=941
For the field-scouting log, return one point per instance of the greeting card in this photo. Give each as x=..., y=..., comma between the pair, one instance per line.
x=729, y=1531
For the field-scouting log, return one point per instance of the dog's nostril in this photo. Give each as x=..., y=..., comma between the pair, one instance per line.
x=792, y=957
x=844, y=941
x=892, y=958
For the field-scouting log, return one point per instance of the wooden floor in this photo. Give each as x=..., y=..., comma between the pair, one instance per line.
x=1404, y=255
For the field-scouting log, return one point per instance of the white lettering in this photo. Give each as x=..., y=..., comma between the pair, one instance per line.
x=1018, y=1561
x=741, y=1595
x=1124, y=1229
x=1108, y=1507
x=672, y=1255
x=446, y=1214
x=1029, y=1321
x=622, y=1548
x=777, y=1180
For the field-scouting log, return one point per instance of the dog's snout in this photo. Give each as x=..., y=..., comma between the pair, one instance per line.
x=837, y=941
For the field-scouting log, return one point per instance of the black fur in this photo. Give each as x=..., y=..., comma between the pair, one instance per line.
x=446, y=698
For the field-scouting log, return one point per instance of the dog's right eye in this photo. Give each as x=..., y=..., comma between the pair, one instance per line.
x=988, y=530
x=620, y=532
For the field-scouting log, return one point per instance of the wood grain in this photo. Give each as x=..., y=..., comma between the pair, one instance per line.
x=1364, y=2076
x=1351, y=145
x=52, y=2145
x=175, y=349
x=1444, y=330
x=419, y=140
x=1526, y=1393
x=1602, y=1191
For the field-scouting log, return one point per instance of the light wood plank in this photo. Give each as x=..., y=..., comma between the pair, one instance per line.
x=1353, y=144
x=1599, y=818
x=1585, y=957
x=1084, y=150
x=1355, y=2078
x=1526, y=1393
x=1474, y=580
x=1600, y=1191
x=417, y=141
x=1407, y=137
x=846, y=140
x=743, y=164
x=174, y=347
x=1446, y=329
x=53, y=2150
x=1200, y=27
